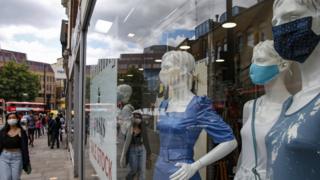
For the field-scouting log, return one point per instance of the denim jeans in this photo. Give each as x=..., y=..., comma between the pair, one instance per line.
x=10, y=165
x=137, y=162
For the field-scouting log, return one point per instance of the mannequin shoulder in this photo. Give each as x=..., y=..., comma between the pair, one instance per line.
x=203, y=100
x=247, y=109
x=248, y=105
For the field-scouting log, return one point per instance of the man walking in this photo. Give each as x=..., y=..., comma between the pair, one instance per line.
x=56, y=126
x=49, y=130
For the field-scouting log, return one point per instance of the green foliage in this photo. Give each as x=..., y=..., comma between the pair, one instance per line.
x=17, y=83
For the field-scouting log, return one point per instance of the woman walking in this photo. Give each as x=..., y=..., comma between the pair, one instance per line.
x=14, y=154
x=136, y=150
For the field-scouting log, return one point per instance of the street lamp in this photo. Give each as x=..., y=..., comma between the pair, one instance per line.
x=220, y=60
x=229, y=25
x=184, y=47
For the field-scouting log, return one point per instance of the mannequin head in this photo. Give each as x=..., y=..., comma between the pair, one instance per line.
x=285, y=11
x=177, y=68
x=267, y=65
x=124, y=93
x=296, y=28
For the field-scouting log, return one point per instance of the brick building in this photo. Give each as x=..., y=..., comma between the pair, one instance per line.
x=47, y=91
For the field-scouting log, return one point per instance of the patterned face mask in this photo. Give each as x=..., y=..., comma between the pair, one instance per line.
x=295, y=40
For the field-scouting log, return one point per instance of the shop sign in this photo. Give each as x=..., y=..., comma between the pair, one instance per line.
x=102, y=114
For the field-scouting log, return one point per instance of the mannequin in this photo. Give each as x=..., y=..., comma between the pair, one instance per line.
x=287, y=11
x=292, y=143
x=125, y=114
x=182, y=117
x=267, y=111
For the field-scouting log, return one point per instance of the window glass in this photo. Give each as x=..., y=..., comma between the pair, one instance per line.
x=126, y=110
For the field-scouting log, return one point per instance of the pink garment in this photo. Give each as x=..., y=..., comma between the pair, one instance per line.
x=38, y=124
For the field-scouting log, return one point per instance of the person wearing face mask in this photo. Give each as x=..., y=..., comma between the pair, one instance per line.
x=293, y=142
x=136, y=150
x=259, y=115
x=14, y=153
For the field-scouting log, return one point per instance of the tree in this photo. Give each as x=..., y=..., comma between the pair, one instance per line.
x=17, y=83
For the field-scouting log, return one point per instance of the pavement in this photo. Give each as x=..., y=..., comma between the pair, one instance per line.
x=49, y=164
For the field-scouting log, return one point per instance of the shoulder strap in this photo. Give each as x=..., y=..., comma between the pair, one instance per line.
x=254, y=140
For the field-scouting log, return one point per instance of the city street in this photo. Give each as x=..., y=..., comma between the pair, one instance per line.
x=49, y=164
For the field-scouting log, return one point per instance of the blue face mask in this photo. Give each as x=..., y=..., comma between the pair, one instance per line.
x=119, y=97
x=295, y=40
x=261, y=75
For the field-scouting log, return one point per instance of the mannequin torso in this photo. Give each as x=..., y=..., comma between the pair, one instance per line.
x=310, y=71
x=267, y=111
x=184, y=118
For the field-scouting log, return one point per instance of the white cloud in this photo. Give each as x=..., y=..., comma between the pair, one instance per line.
x=175, y=41
x=108, y=47
x=32, y=27
x=36, y=50
x=40, y=20
x=12, y=31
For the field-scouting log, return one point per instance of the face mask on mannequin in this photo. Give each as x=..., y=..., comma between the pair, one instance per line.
x=120, y=97
x=295, y=40
x=12, y=122
x=261, y=75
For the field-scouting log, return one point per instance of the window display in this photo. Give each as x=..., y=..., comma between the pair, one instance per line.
x=169, y=85
x=292, y=143
x=260, y=114
x=182, y=117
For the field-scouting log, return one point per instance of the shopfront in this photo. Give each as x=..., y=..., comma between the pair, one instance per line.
x=162, y=89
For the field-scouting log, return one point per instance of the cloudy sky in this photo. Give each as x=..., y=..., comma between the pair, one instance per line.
x=152, y=22
x=33, y=26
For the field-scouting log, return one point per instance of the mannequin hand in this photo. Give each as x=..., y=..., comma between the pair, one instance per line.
x=186, y=171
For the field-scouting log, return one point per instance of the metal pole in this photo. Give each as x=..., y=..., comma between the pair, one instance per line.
x=44, y=86
x=230, y=43
x=81, y=110
x=77, y=132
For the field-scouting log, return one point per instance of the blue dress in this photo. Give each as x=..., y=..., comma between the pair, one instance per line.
x=180, y=130
x=293, y=145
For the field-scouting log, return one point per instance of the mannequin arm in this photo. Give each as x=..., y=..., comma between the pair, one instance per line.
x=188, y=170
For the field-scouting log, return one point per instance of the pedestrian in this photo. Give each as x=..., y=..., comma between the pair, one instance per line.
x=43, y=123
x=38, y=126
x=62, y=122
x=56, y=126
x=14, y=153
x=136, y=150
x=49, y=130
x=31, y=127
x=24, y=124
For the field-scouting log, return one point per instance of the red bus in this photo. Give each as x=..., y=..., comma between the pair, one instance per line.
x=24, y=106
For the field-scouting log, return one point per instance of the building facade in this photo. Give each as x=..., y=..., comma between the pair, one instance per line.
x=47, y=92
x=60, y=83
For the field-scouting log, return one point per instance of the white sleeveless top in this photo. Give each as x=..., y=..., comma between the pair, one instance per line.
x=247, y=161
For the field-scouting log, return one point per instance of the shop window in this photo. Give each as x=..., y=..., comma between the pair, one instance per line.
x=250, y=39
x=239, y=42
